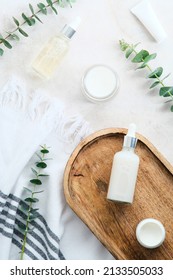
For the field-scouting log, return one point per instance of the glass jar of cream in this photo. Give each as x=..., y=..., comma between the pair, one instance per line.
x=150, y=233
x=100, y=83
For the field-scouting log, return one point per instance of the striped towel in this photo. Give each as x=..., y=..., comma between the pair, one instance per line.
x=28, y=120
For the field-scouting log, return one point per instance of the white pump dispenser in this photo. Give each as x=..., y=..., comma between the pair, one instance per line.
x=124, y=170
x=46, y=62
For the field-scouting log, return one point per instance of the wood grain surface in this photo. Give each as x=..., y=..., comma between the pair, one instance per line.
x=86, y=180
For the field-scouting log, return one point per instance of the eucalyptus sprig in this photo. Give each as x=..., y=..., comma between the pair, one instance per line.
x=30, y=212
x=30, y=19
x=143, y=57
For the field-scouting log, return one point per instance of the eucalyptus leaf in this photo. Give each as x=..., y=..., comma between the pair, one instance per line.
x=44, y=151
x=1, y=52
x=156, y=73
x=22, y=226
x=25, y=207
x=31, y=200
x=62, y=4
x=16, y=21
x=166, y=77
x=33, y=210
x=42, y=8
x=43, y=175
x=128, y=52
x=34, y=171
x=32, y=21
x=27, y=19
x=14, y=36
x=168, y=101
x=44, y=147
x=41, y=164
x=6, y=44
x=30, y=230
x=39, y=156
x=31, y=9
x=150, y=57
x=123, y=45
x=139, y=57
x=134, y=46
x=49, y=2
x=154, y=84
x=35, y=182
x=166, y=91
x=27, y=189
x=38, y=18
x=53, y=8
x=34, y=216
x=38, y=192
x=147, y=59
x=141, y=66
x=23, y=32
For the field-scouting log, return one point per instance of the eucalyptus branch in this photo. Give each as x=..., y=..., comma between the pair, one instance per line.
x=31, y=213
x=30, y=20
x=143, y=57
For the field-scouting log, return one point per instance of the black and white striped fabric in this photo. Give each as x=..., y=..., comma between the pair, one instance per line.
x=42, y=242
x=26, y=122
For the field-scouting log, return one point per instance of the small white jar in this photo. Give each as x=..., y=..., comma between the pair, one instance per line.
x=100, y=83
x=150, y=233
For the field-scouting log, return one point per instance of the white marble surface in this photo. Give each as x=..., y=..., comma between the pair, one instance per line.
x=104, y=22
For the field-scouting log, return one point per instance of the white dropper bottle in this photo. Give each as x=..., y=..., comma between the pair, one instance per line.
x=48, y=59
x=124, y=170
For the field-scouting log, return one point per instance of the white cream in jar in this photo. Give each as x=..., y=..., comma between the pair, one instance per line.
x=150, y=233
x=100, y=83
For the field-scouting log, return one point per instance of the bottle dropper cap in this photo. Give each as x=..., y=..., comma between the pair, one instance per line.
x=130, y=139
x=70, y=29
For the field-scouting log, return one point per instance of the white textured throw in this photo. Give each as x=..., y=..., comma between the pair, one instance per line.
x=26, y=122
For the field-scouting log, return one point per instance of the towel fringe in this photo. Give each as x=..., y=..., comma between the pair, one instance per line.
x=13, y=93
x=46, y=110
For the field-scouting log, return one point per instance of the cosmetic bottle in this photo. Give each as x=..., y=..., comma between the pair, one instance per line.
x=48, y=59
x=124, y=170
x=145, y=13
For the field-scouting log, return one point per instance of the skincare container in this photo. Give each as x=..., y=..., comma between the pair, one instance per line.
x=150, y=233
x=100, y=83
x=145, y=13
x=124, y=170
x=50, y=56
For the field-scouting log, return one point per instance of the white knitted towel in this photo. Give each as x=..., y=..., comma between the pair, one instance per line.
x=28, y=120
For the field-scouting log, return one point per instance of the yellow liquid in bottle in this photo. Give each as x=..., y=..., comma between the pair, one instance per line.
x=50, y=56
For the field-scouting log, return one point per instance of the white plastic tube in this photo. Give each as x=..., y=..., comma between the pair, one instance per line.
x=145, y=13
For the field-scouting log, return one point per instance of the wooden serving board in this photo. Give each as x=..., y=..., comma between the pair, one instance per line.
x=86, y=181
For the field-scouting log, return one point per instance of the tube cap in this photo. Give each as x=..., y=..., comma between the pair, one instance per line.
x=70, y=29
x=130, y=140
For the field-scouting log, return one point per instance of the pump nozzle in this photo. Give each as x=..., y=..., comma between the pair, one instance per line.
x=132, y=130
x=70, y=29
x=130, y=139
x=75, y=23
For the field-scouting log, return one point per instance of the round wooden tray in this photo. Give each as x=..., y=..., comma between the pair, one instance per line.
x=86, y=180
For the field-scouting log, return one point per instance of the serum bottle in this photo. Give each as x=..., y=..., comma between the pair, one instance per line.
x=52, y=53
x=124, y=170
